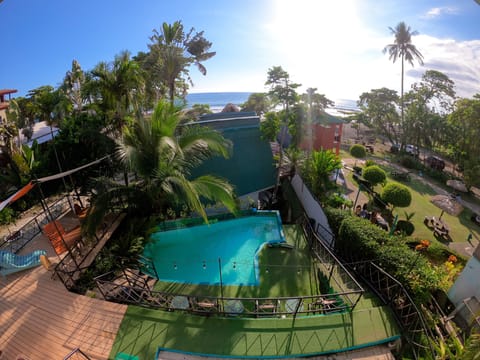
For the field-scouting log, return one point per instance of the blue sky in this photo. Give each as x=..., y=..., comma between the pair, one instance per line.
x=335, y=46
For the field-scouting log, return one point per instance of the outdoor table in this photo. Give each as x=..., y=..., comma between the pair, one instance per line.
x=180, y=302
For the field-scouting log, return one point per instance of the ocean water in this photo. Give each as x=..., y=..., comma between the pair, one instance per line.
x=218, y=100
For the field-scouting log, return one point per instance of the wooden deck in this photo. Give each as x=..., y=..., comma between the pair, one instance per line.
x=40, y=319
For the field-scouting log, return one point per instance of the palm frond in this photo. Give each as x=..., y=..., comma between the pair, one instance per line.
x=216, y=189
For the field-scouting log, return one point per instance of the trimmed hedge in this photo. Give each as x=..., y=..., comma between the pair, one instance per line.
x=358, y=240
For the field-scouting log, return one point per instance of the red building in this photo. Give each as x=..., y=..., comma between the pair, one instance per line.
x=324, y=133
x=3, y=97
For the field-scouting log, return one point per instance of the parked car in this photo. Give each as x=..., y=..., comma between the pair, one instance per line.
x=435, y=163
x=395, y=148
x=412, y=150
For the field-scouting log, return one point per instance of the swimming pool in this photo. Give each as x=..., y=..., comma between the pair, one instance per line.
x=227, y=249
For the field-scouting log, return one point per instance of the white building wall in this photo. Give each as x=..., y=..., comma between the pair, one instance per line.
x=466, y=291
x=312, y=208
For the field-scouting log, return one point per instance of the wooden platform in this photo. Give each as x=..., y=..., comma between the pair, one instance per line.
x=40, y=319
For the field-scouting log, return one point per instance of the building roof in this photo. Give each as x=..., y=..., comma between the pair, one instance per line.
x=250, y=167
x=326, y=118
x=7, y=91
x=41, y=133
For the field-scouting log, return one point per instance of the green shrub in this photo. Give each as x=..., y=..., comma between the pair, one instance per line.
x=370, y=162
x=438, y=175
x=410, y=162
x=374, y=175
x=335, y=218
x=6, y=216
x=405, y=227
x=358, y=151
x=359, y=240
x=397, y=195
x=337, y=201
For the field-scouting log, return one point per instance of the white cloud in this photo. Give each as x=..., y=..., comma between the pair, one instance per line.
x=328, y=46
x=438, y=11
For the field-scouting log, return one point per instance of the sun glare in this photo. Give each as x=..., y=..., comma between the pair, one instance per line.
x=312, y=38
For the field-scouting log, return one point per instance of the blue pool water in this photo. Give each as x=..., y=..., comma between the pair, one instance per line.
x=196, y=254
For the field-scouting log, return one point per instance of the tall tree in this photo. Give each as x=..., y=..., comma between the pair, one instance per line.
x=163, y=153
x=403, y=48
x=379, y=112
x=172, y=52
x=282, y=90
x=315, y=104
x=426, y=107
x=118, y=87
x=465, y=120
x=73, y=84
x=257, y=102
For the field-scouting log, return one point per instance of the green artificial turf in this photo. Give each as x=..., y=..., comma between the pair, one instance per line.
x=143, y=331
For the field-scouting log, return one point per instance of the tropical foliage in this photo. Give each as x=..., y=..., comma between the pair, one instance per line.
x=317, y=169
x=162, y=154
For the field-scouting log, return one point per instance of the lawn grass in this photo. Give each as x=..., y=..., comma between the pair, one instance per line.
x=460, y=226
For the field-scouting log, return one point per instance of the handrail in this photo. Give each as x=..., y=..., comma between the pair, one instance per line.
x=123, y=292
x=402, y=318
x=125, y=289
x=401, y=303
x=33, y=227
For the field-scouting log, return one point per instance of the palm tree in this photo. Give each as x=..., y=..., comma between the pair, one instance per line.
x=119, y=88
x=172, y=51
x=404, y=49
x=162, y=153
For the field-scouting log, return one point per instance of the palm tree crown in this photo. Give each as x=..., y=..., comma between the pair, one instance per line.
x=162, y=152
x=404, y=49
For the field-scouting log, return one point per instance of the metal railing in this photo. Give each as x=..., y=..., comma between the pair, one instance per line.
x=21, y=237
x=131, y=287
x=392, y=292
x=71, y=266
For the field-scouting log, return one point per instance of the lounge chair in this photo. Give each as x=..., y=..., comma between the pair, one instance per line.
x=80, y=212
x=11, y=263
x=55, y=233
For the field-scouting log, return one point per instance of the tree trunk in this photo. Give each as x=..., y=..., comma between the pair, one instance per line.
x=402, y=119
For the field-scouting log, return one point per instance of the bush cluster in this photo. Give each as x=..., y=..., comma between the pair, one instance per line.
x=358, y=240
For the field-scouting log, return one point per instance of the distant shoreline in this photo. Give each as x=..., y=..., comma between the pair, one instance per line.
x=218, y=100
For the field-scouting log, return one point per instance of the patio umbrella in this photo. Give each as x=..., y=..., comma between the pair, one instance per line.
x=457, y=185
x=447, y=204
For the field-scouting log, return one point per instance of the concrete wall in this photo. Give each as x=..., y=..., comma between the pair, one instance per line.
x=467, y=288
x=312, y=208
